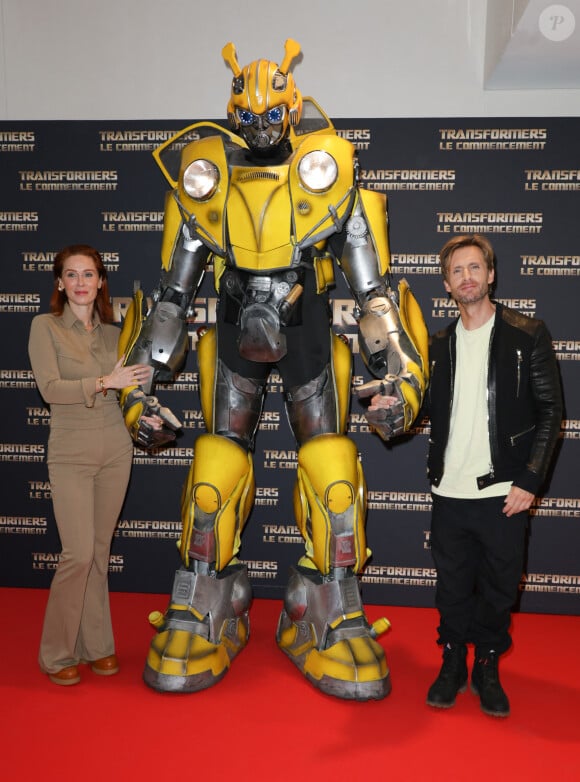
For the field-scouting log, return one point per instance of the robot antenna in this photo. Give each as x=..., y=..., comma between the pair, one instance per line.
x=291, y=50
x=229, y=55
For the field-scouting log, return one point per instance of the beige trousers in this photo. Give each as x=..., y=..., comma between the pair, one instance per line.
x=89, y=473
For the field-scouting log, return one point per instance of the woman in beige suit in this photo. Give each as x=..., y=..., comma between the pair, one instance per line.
x=73, y=353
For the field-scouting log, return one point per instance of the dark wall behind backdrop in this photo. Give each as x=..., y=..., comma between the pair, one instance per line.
x=516, y=180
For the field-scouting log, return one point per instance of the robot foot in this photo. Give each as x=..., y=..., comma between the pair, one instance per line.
x=324, y=631
x=204, y=628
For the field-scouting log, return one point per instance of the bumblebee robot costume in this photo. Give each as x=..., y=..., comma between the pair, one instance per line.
x=273, y=204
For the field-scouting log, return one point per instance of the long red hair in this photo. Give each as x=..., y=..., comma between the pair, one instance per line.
x=102, y=302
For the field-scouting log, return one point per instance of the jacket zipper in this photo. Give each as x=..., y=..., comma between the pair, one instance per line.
x=516, y=437
x=489, y=410
x=452, y=375
x=519, y=370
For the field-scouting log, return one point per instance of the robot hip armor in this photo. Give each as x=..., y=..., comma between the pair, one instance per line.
x=261, y=305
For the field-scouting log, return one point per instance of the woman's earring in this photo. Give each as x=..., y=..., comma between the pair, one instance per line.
x=60, y=286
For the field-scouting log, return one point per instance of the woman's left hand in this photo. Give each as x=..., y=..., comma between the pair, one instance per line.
x=131, y=375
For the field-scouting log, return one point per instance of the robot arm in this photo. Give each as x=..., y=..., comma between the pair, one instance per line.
x=394, y=344
x=160, y=338
x=393, y=336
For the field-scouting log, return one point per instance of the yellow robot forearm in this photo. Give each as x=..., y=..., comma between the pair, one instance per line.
x=132, y=324
x=132, y=408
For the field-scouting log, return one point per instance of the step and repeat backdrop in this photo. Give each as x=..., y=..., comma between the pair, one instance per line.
x=515, y=180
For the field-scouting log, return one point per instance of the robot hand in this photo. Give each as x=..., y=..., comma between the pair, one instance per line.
x=386, y=412
x=150, y=424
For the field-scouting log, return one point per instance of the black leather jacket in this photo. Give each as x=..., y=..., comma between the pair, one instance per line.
x=524, y=400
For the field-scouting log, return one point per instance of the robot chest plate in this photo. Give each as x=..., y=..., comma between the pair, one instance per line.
x=259, y=217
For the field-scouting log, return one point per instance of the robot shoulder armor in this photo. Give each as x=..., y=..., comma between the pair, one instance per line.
x=341, y=150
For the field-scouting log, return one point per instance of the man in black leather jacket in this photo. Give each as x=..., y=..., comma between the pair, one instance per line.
x=523, y=400
x=495, y=406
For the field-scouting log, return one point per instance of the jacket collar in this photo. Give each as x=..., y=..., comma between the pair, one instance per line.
x=68, y=318
x=496, y=318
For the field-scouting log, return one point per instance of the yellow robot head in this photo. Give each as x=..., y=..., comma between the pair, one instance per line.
x=265, y=100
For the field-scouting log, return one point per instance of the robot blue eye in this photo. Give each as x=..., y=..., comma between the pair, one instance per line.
x=275, y=116
x=245, y=117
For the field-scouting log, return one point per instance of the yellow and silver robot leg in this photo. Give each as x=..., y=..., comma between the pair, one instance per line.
x=323, y=628
x=207, y=622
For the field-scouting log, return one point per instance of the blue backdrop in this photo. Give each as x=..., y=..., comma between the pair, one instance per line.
x=516, y=180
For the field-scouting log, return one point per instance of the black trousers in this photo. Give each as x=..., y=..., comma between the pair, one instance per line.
x=479, y=554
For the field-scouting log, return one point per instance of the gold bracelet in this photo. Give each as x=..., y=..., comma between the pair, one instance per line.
x=102, y=385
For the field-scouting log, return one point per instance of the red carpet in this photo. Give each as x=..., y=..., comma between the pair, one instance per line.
x=263, y=722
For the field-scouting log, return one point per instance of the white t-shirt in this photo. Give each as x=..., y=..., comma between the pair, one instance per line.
x=468, y=455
